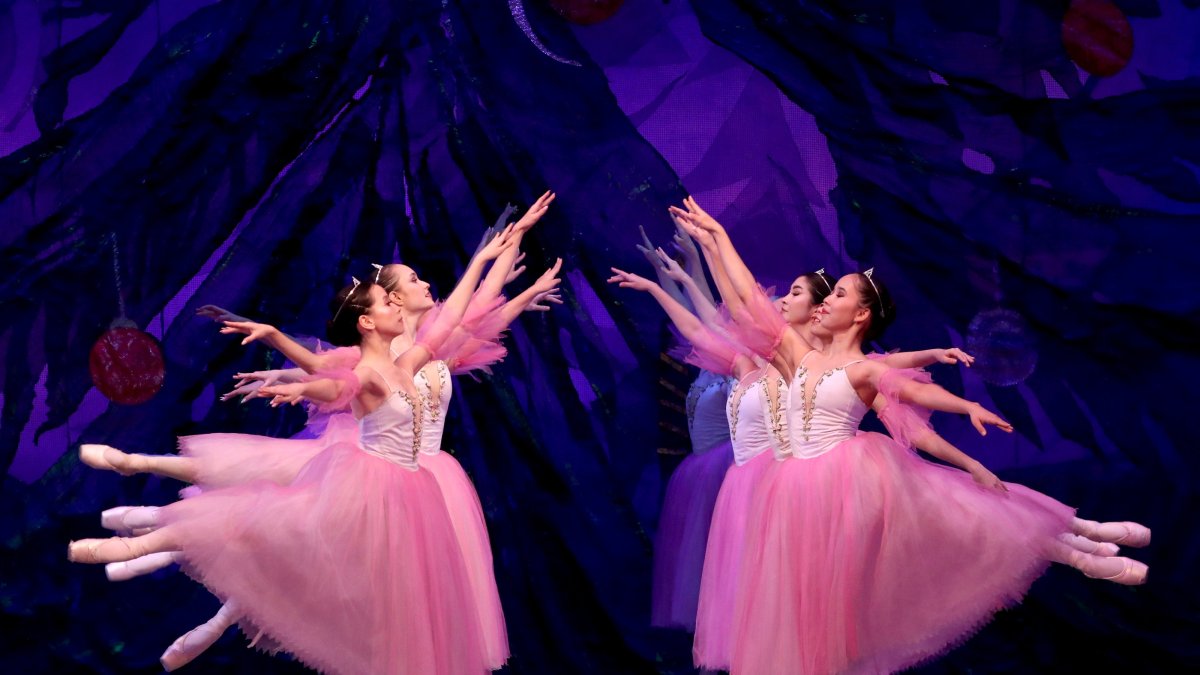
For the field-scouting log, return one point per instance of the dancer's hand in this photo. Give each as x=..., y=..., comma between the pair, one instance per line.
x=549, y=281
x=981, y=416
x=628, y=280
x=247, y=390
x=700, y=217
x=248, y=384
x=646, y=248
x=955, y=355
x=251, y=329
x=986, y=478
x=218, y=314
x=535, y=213
x=671, y=268
x=686, y=245
x=499, y=244
x=687, y=222
x=536, y=304
x=516, y=270
x=290, y=394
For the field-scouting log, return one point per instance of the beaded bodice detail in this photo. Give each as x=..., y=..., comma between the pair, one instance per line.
x=823, y=410
x=436, y=388
x=393, y=430
x=756, y=415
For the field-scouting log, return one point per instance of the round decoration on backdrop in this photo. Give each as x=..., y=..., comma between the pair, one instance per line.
x=1097, y=36
x=126, y=364
x=1004, y=348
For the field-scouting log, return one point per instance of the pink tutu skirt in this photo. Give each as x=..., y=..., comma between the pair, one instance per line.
x=466, y=515
x=869, y=559
x=353, y=567
x=224, y=460
x=683, y=536
x=723, y=561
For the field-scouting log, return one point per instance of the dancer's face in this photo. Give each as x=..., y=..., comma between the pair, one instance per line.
x=383, y=316
x=842, y=308
x=408, y=291
x=797, y=306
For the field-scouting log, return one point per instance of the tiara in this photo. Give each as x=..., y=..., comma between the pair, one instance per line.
x=356, y=283
x=868, y=274
x=378, y=271
x=821, y=275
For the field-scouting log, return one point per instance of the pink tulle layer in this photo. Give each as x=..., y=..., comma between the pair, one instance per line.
x=870, y=559
x=466, y=515
x=723, y=563
x=224, y=460
x=353, y=567
x=683, y=536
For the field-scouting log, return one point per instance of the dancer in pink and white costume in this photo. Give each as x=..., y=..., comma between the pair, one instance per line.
x=354, y=565
x=864, y=557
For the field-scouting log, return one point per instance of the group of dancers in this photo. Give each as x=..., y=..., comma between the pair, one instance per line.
x=795, y=543
x=789, y=541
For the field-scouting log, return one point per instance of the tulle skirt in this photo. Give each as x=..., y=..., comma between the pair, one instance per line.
x=683, y=536
x=353, y=567
x=466, y=515
x=224, y=460
x=723, y=560
x=869, y=559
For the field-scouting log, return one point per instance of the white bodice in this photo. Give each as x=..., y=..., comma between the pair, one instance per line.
x=392, y=431
x=706, y=399
x=828, y=415
x=755, y=412
x=434, y=409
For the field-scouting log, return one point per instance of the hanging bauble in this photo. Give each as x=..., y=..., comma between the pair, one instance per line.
x=126, y=364
x=586, y=12
x=1003, y=346
x=1097, y=36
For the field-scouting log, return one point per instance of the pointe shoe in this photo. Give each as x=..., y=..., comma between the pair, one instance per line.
x=88, y=551
x=151, y=562
x=192, y=643
x=1136, y=535
x=106, y=458
x=136, y=519
x=1096, y=548
x=1132, y=574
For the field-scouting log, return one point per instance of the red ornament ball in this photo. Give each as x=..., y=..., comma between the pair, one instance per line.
x=1097, y=36
x=586, y=12
x=126, y=364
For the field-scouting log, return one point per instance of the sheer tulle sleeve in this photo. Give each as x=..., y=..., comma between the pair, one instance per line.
x=711, y=351
x=476, y=355
x=758, y=325
x=474, y=344
x=904, y=421
x=341, y=358
x=340, y=366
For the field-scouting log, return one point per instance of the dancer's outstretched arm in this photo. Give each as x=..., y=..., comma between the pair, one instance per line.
x=908, y=426
x=739, y=275
x=689, y=326
x=745, y=299
x=647, y=249
x=500, y=272
x=869, y=376
x=705, y=309
x=545, y=284
x=278, y=340
x=322, y=390
x=435, y=333
x=692, y=263
x=927, y=357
